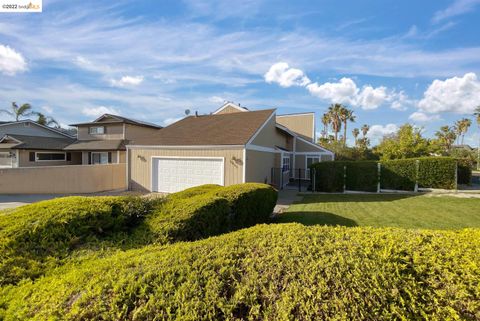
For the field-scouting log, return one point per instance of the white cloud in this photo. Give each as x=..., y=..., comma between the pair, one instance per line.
x=11, y=61
x=48, y=109
x=127, y=81
x=99, y=111
x=400, y=101
x=458, y=95
x=378, y=131
x=285, y=76
x=216, y=100
x=458, y=7
x=344, y=91
x=420, y=117
x=371, y=98
x=171, y=120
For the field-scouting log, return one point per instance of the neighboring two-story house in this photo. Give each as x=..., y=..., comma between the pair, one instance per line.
x=26, y=143
x=231, y=146
x=103, y=141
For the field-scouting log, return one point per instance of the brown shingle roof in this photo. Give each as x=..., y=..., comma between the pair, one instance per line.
x=113, y=144
x=44, y=143
x=220, y=129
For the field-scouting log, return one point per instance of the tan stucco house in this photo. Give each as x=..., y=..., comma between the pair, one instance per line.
x=232, y=145
x=103, y=140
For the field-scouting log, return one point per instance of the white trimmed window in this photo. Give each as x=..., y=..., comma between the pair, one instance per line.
x=96, y=130
x=50, y=157
x=100, y=158
x=286, y=162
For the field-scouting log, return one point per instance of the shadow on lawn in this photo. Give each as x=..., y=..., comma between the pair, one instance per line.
x=315, y=218
x=323, y=198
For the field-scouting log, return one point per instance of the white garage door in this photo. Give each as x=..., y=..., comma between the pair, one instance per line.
x=173, y=174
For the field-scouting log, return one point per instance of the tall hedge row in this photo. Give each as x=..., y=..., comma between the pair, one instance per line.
x=269, y=272
x=432, y=172
x=464, y=174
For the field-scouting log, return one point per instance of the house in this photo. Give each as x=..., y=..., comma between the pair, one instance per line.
x=26, y=143
x=232, y=145
x=103, y=140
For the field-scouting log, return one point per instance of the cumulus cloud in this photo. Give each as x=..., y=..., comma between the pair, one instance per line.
x=48, y=109
x=11, y=61
x=99, y=111
x=343, y=91
x=420, y=117
x=378, y=131
x=216, y=100
x=127, y=81
x=457, y=95
x=371, y=98
x=285, y=76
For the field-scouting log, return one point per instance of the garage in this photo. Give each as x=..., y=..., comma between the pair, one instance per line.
x=173, y=174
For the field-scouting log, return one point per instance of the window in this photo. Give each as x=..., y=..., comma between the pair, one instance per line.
x=286, y=163
x=97, y=130
x=312, y=160
x=101, y=158
x=46, y=157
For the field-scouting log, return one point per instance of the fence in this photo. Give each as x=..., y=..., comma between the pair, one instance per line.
x=63, y=179
x=300, y=179
x=371, y=176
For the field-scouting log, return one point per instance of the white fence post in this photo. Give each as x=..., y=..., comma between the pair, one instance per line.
x=379, y=175
x=417, y=168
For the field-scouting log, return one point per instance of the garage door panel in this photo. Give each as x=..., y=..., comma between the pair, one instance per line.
x=176, y=174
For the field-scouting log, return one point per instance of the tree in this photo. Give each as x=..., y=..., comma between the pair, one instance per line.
x=365, y=128
x=46, y=120
x=325, y=122
x=334, y=114
x=461, y=128
x=17, y=112
x=466, y=125
x=446, y=137
x=346, y=115
x=355, y=133
x=407, y=142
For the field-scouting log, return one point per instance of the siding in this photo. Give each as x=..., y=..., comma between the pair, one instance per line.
x=112, y=131
x=24, y=159
x=140, y=164
x=132, y=132
x=229, y=110
x=63, y=179
x=259, y=166
x=270, y=136
x=303, y=125
x=304, y=147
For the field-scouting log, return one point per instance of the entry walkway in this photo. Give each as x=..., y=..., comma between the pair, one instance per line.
x=285, y=198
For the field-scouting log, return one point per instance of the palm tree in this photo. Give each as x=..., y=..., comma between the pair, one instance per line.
x=46, y=120
x=325, y=122
x=355, y=133
x=458, y=129
x=334, y=114
x=466, y=125
x=346, y=115
x=16, y=112
x=365, y=128
x=446, y=135
x=476, y=113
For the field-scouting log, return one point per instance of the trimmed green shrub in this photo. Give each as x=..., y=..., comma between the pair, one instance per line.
x=329, y=176
x=398, y=174
x=210, y=210
x=464, y=173
x=34, y=236
x=437, y=172
x=250, y=203
x=362, y=176
x=269, y=272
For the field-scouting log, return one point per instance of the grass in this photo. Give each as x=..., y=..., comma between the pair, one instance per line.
x=404, y=211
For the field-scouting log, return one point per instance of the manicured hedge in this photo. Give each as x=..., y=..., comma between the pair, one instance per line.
x=33, y=237
x=269, y=272
x=433, y=172
x=464, y=174
x=210, y=210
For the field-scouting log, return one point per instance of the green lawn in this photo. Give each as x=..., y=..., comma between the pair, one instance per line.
x=404, y=211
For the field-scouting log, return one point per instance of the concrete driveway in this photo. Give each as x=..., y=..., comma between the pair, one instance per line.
x=12, y=201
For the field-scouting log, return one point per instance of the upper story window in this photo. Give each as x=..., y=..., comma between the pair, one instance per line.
x=96, y=130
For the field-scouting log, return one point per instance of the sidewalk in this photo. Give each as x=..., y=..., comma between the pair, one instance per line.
x=285, y=198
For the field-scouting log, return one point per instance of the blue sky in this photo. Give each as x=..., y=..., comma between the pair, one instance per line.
x=391, y=61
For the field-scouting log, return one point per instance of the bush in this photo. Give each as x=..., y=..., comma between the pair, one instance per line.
x=398, y=174
x=275, y=272
x=329, y=176
x=362, y=176
x=34, y=236
x=464, y=173
x=437, y=172
x=210, y=210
